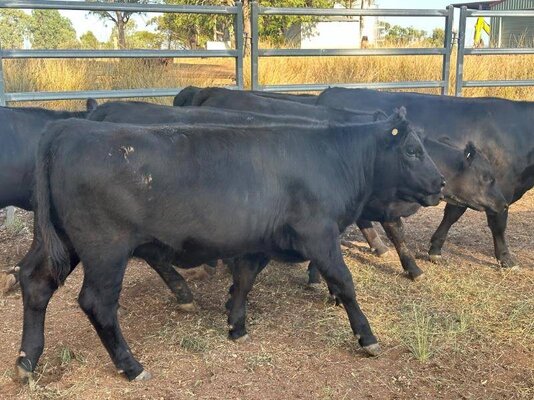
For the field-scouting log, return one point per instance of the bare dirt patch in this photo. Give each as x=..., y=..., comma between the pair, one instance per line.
x=466, y=330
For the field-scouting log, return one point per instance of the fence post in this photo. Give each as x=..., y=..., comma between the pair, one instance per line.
x=10, y=211
x=254, y=59
x=445, y=76
x=238, y=22
x=460, y=55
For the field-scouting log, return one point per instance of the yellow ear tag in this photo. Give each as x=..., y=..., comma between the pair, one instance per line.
x=395, y=132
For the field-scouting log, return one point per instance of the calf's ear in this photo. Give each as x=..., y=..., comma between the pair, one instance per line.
x=396, y=126
x=470, y=152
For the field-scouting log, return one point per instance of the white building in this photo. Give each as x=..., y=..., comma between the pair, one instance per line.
x=335, y=32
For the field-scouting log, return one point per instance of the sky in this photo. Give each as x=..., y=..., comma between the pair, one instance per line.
x=84, y=22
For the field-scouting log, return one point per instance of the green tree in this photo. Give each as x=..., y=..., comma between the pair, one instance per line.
x=438, y=37
x=119, y=18
x=50, y=30
x=274, y=28
x=89, y=41
x=193, y=30
x=14, y=27
x=144, y=40
x=127, y=30
x=399, y=35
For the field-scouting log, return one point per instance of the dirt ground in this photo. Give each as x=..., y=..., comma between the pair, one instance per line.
x=465, y=331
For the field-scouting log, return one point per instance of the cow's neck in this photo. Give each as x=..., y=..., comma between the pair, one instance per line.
x=357, y=159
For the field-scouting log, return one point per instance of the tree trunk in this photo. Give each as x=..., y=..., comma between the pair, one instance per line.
x=247, y=28
x=121, y=26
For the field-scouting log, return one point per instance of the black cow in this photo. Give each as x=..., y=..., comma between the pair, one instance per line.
x=201, y=193
x=502, y=129
x=187, y=94
x=20, y=131
x=472, y=183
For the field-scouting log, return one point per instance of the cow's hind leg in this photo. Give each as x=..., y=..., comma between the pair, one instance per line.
x=395, y=232
x=99, y=299
x=497, y=224
x=372, y=238
x=244, y=272
x=322, y=247
x=38, y=286
x=160, y=262
x=451, y=215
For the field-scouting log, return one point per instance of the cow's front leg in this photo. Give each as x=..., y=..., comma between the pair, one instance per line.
x=322, y=246
x=450, y=216
x=497, y=224
x=395, y=232
x=244, y=272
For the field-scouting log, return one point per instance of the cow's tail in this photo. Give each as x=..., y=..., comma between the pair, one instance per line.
x=56, y=250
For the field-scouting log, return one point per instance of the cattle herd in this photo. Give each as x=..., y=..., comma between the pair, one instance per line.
x=246, y=177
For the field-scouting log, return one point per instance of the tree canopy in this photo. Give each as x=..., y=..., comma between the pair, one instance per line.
x=14, y=27
x=50, y=30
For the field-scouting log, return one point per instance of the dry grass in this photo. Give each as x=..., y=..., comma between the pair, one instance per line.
x=464, y=331
x=66, y=75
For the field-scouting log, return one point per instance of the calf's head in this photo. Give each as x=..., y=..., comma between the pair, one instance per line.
x=403, y=166
x=470, y=180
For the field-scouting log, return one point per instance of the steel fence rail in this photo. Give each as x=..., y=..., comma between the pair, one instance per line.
x=445, y=51
x=236, y=54
x=127, y=7
x=463, y=50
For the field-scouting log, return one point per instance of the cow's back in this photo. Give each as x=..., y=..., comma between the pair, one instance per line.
x=501, y=128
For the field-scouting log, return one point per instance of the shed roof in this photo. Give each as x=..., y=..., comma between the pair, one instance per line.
x=479, y=5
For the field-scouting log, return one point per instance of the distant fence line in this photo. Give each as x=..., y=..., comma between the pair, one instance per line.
x=256, y=53
x=237, y=53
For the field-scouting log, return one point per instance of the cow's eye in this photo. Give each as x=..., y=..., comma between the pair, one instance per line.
x=413, y=152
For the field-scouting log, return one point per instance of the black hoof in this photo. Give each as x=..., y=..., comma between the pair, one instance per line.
x=508, y=262
x=23, y=370
x=237, y=336
x=370, y=345
x=381, y=250
x=415, y=275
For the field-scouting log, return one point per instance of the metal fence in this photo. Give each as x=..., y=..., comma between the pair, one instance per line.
x=463, y=51
x=237, y=53
x=445, y=51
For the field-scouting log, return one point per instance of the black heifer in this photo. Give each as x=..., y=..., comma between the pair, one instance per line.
x=186, y=96
x=472, y=183
x=502, y=129
x=20, y=131
x=203, y=193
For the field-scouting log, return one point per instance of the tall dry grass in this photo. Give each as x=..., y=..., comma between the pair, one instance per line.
x=67, y=75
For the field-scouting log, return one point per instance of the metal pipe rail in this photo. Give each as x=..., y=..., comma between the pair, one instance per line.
x=463, y=51
x=237, y=53
x=257, y=53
